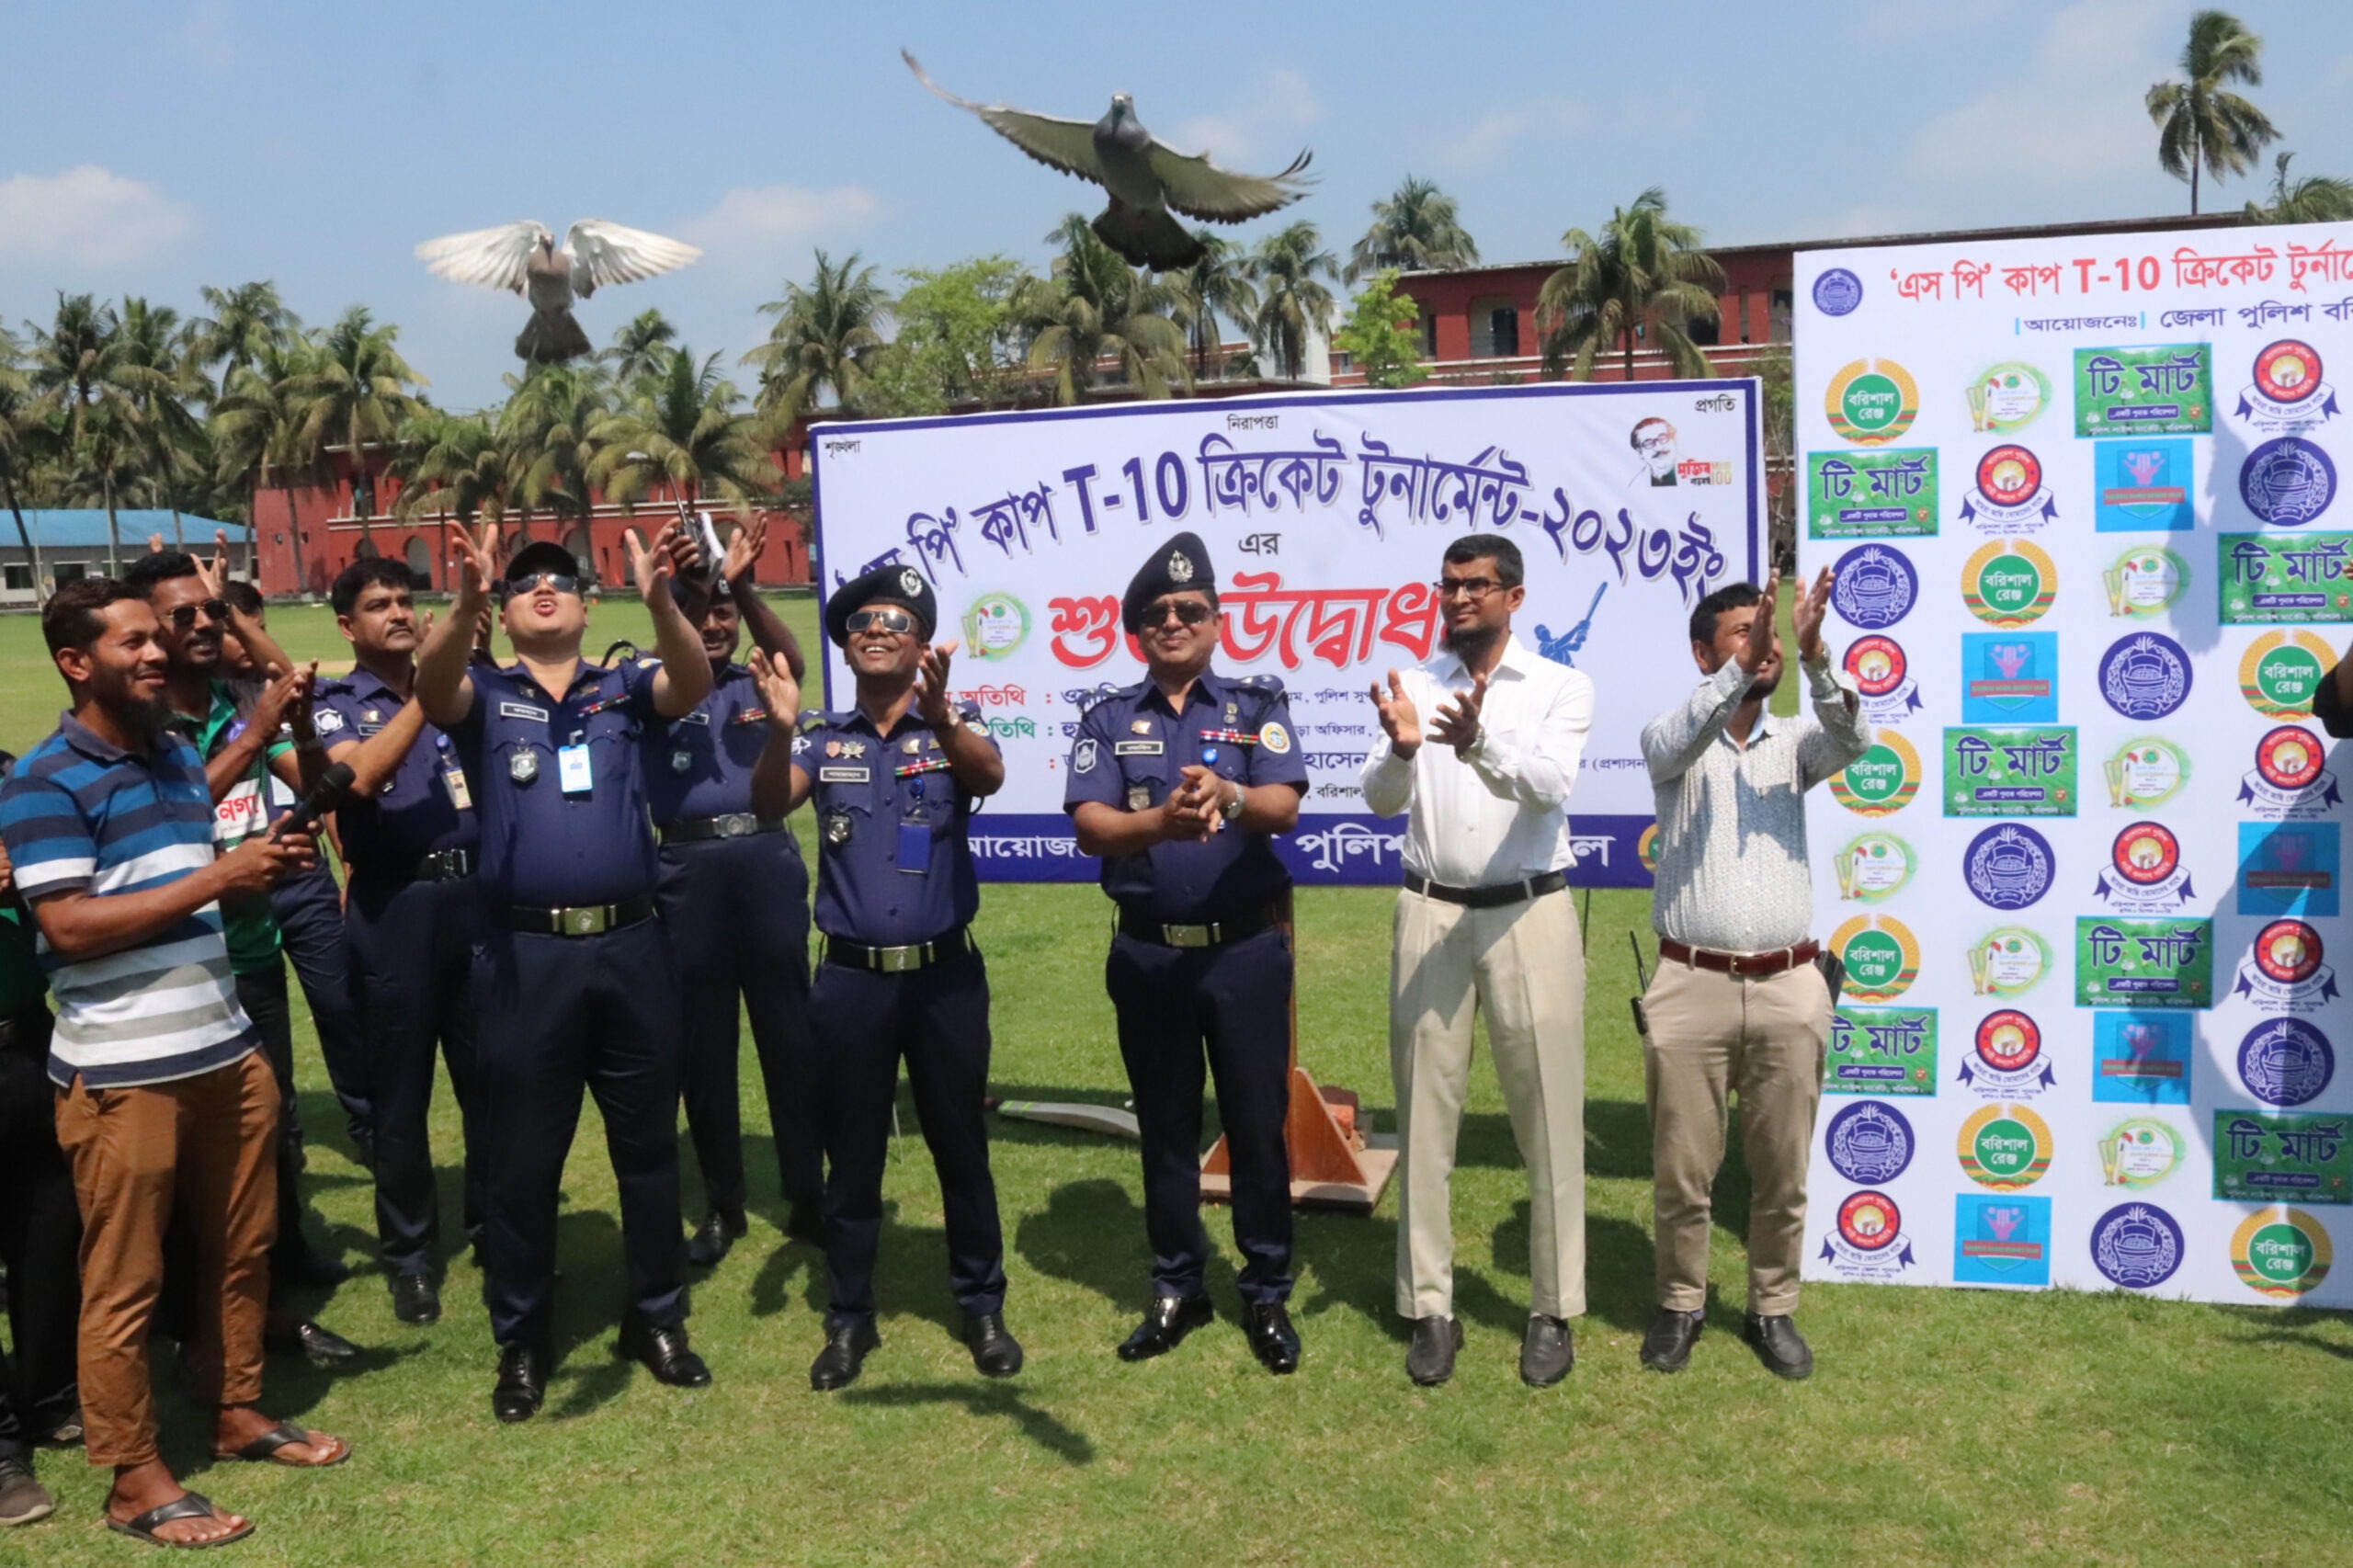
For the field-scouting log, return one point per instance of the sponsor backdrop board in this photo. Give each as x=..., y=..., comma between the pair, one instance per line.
x=2085, y=500
x=1324, y=517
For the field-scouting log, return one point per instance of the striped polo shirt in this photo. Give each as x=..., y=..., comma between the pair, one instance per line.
x=81, y=813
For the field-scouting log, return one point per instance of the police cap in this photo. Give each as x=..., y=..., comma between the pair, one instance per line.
x=1182, y=562
x=902, y=586
x=540, y=555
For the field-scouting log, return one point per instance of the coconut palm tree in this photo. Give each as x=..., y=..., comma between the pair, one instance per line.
x=1217, y=285
x=1094, y=307
x=1292, y=305
x=1414, y=230
x=2199, y=126
x=83, y=373
x=548, y=434
x=162, y=380
x=245, y=322
x=261, y=435
x=825, y=340
x=450, y=467
x=355, y=394
x=641, y=348
x=685, y=429
x=2312, y=199
x=1642, y=278
x=19, y=435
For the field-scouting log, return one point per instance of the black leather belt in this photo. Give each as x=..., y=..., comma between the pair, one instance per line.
x=1494, y=897
x=27, y=1033
x=1742, y=965
x=579, y=920
x=1144, y=929
x=899, y=959
x=440, y=866
x=732, y=825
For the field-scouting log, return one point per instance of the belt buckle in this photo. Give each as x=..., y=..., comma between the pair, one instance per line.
x=898, y=960
x=586, y=921
x=736, y=824
x=1737, y=964
x=1188, y=936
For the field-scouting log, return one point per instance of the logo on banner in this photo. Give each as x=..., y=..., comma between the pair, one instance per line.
x=2140, y=1058
x=2288, y=481
x=2010, y=676
x=2291, y=780
x=2263, y=1156
x=2144, y=676
x=2286, y=579
x=1882, y=781
x=2008, y=962
x=1869, y=1142
x=2144, y=581
x=2122, y=962
x=2005, y=1147
x=2142, y=487
x=2137, y=1246
x=996, y=626
x=2008, y=397
x=2006, y=1060
x=2010, y=497
x=1873, y=586
x=2139, y=1154
x=2285, y=970
x=2280, y=1252
x=2009, y=584
x=1881, y=956
x=1868, y=1243
x=2001, y=1241
x=1882, y=677
x=1872, y=402
x=2287, y=395
x=1881, y=1051
x=1837, y=291
x=2280, y=673
x=2144, y=874
x=2286, y=1061
x=2289, y=869
x=1873, y=494
x=1873, y=867
x=2010, y=772
x=2166, y=390
x=2008, y=866
x=2145, y=772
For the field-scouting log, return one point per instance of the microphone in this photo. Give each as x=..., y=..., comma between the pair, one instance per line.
x=324, y=796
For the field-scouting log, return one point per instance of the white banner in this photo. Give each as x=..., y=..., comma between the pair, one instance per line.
x=1325, y=517
x=2082, y=492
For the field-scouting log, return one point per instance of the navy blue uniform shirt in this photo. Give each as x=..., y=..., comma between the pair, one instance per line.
x=894, y=862
x=542, y=846
x=700, y=765
x=1132, y=753
x=416, y=812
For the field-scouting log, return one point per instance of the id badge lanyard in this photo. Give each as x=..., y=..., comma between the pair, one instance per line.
x=914, y=829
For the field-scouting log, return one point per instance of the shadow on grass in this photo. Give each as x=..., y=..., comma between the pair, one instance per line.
x=1091, y=1234
x=1042, y=1428
x=2286, y=1325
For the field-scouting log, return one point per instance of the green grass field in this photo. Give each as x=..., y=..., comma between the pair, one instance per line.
x=1941, y=1426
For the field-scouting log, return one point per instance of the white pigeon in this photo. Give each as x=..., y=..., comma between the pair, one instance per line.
x=523, y=257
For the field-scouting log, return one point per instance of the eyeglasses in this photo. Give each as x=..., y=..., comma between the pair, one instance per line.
x=1190, y=612
x=561, y=582
x=892, y=620
x=184, y=615
x=1466, y=588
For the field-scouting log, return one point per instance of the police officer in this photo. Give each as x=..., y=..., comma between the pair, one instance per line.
x=894, y=780
x=575, y=986
x=412, y=915
x=1180, y=782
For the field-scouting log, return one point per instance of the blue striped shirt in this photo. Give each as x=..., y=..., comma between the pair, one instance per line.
x=80, y=813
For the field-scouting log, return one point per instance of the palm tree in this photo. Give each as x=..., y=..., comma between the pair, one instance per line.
x=2198, y=124
x=1414, y=230
x=162, y=380
x=548, y=434
x=2313, y=198
x=641, y=347
x=1095, y=307
x=18, y=436
x=260, y=431
x=82, y=372
x=687, y=428
x=827, y=338
x=355, y=394
x=1292, y=304
x=448, y=465
x=1644, y=278
x=247, y=322
x=1217, y=285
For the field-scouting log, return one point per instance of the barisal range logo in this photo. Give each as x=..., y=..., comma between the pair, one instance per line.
x=2005, y=1147
x=1882, y=781
x=1871, y=402
x=2280, y=1253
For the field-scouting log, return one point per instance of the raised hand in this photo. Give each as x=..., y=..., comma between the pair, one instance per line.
x=1757, y=649
x=1457, y=720
x=1400, y=721
x=1808, y=611
x=286, y=696
x=476, y=559
x=780, y=693
x=931, y=696
x=651, y=565
x=220, y=556
x=744, y=549
x=685, y=551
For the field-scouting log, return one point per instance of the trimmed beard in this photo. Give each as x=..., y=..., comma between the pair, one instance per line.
x=1472, y=644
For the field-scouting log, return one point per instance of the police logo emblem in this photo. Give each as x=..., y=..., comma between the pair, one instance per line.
x=911, y=581
x=837, y=829
x=1140, y=726
x=1139, y=797
x=1232, y=713
x=1275, y=738
x=680, y=761
x=833, y=748
x=373, y=717
x=1180, y=569
x=523, y=766
x=1084, y=760
x=914, y=745
x=853, y=748
x=327, y=721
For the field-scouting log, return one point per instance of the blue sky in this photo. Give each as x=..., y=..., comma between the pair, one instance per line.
x=151, y=149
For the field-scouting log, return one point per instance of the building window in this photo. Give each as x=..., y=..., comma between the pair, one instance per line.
x=1495, y=329
x=420, y=562
x=1703, y=331
x=1778, y=316
x=1744, y=315
x=19, y=579
x=1342, y=362
x=583, y=552
x=66, y=572
x=1429, y=336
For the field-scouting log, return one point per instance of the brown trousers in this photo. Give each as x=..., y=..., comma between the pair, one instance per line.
x=202, y=1148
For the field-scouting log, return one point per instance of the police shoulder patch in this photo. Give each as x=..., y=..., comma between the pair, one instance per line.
x=1084, y=755
x=326, y=720
x=1275, y=738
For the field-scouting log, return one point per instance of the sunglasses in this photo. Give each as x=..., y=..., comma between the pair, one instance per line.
x=1190, y=612
x=560, y=581
x=892, y=620
x=184, y=615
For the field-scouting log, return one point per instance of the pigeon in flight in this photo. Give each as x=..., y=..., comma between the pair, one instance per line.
x=523, y=257
x=1146, y=177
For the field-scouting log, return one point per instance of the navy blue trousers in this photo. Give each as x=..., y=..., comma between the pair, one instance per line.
x=938, y=1018
x=308, y=910
x=1234, y=999
x=556, y=1016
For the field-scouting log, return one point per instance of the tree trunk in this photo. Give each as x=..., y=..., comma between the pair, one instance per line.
x=179, y=535
x=25, y=537
x=2193, y=179
x=114, y=531
x=294, y=537
x=1629, y=353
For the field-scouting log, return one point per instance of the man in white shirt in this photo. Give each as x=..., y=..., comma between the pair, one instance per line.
x=1480, y=746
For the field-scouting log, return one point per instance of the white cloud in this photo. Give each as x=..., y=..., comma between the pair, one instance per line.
x=758, y=228
x=1281, y=104
x=1498, y=129
x=87, y=217
x=2068, y=114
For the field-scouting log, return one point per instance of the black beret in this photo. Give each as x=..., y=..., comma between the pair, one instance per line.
x=542, y=555
x=884, y=584
x=1183, y=563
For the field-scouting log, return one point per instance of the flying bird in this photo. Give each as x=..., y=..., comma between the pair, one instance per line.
x=523, y=257
x=1145, y=175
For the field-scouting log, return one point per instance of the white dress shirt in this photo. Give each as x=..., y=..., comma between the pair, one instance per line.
x=1500, y=814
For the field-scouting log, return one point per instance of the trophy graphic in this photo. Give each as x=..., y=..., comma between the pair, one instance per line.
x=2118, y=581
x=1979, y=421
x=1980, y=957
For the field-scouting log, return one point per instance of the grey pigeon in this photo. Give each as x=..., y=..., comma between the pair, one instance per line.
x=523, y=257
x=1146, y=177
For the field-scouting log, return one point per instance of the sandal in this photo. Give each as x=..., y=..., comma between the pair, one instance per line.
x=267, y=1446
x=187, y=1505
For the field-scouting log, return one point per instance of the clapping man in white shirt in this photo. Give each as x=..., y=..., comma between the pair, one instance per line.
x=1480, y=744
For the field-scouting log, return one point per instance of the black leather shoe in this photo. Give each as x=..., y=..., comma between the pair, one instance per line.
x=715, y=1237
x=416, y=1298
x=847, y=1343
x=1779, y=1345
x=1667, y=1347
x=320, y=1346
x=522, y=1384
x=1165, y=1324
x=1431, y=1360
x=305, y=1265
x=1272, y=1338
x=995, y=1350
x=1547, y=1351
x=664, y=1353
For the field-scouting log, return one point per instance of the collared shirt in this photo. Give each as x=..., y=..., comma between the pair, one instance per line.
x=544, y=847
x=1731, y=857
x=1500, y=814
x=248, y=922
x=81, y=814
x=415, y=813
x=701, y=765
x=1132, y=753
x=894, y=859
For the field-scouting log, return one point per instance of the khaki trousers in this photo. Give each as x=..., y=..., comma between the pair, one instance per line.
x=1763, y=1040
x=1520, y=965
x=202, y=1148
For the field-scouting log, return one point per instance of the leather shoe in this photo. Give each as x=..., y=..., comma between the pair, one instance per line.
x=1546, y=1351
x=1431, y=1360
x=995, y=1350
x=846, y=1342
x=1272, y=1338
x=320, y=1346
x=1779, y=1345
x=715, y=1237
x=1667, y=1347
x=302, y=1265
x=664, y=1353
x=522, y=1384
x=416, y=1298
x=1165, y=1324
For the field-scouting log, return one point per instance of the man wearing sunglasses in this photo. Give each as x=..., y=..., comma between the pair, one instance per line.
x=1180, y=782
x=576, y=987
x=895, y=780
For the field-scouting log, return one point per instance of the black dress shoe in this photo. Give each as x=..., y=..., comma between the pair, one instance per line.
x=1272, y=1338
x=305, y=1265
x=1165, y=1324
x=1667, y=1347
x=416, y=1298
x=1547, y=1351
x=847, y=1343
x=1430, y=1361
x=715, y=1237
x=522, y=1384
x=320, y=1346
x=995, y=1350
x=1779, y=1345
x=664, y=1353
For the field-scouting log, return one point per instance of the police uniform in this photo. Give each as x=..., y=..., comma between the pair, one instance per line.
x=413, y=918
x=1197, y=959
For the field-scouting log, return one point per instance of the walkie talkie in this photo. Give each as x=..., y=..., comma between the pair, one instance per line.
x=1641, y=1019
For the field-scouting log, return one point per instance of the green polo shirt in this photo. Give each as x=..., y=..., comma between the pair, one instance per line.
x=250, y=929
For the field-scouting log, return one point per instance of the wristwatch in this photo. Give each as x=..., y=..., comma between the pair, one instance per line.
x=1231, y=810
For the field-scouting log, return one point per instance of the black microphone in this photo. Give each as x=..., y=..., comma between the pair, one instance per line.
x=317, y=801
